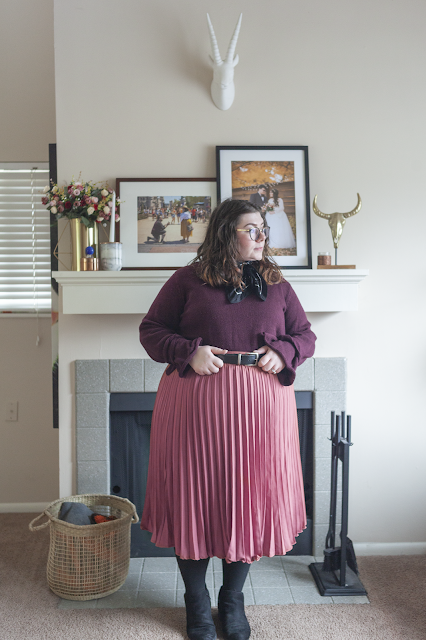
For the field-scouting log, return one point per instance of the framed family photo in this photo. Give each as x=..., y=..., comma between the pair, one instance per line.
x=163, y=221
x=276, y=179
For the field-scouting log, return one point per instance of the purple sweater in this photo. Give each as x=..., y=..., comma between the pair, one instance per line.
x=188, y=313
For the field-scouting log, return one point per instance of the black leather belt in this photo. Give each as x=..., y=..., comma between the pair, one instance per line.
x=248, y=359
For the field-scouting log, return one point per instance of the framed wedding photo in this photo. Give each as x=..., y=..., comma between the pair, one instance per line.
x=163, y=221
x=277, y=180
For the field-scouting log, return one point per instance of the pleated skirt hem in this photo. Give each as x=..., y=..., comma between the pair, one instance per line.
x=227, y=558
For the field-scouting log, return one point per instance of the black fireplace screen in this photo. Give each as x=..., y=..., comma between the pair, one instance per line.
x=130, y=426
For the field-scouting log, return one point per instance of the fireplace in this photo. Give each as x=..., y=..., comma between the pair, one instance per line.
x=96, y=380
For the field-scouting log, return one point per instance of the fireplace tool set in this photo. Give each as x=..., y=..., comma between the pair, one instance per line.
x=337, y=575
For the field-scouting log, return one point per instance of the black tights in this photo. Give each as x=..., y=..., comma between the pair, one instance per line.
x=194, y=574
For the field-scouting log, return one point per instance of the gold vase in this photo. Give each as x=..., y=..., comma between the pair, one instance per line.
x=77, y=251
x=90, y=238
x=82, y=237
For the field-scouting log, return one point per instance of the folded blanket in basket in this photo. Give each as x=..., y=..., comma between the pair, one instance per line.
x=75, y=513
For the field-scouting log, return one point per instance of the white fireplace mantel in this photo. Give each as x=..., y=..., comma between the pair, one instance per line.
x=124, y=292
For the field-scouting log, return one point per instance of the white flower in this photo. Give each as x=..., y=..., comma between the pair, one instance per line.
x=104, y=192
x=55, y=189
x=99, y=218
x=54, y=210
x=46, y=189
x=106, y=209
x=90, y=210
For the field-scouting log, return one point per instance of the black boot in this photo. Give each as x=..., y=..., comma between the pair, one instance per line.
x=235, y=625
x=199, y=621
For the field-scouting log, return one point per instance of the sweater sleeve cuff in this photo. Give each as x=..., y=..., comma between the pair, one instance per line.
x=288, y=352
x=192, y=347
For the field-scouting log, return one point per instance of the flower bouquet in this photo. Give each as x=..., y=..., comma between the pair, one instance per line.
x=87, y=207
x=87, y=201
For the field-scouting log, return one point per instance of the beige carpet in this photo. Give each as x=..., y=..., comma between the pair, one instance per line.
x=396, y=587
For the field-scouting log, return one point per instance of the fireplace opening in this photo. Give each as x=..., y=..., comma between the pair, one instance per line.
x=130, y=428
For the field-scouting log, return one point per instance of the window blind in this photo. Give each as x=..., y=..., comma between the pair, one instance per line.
x=24, y=238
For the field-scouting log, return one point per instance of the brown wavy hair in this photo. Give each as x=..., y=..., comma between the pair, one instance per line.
x=217, y=257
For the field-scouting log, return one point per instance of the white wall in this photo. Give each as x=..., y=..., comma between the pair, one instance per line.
x=29, y=470
x=27, y=81
x=345, y=78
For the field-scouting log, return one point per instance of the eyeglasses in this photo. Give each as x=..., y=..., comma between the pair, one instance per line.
x=255, y=232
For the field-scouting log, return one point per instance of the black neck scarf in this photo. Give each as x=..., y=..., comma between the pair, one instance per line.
x=254, y=283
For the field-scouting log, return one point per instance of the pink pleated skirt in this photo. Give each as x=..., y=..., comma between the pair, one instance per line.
x=225, y=476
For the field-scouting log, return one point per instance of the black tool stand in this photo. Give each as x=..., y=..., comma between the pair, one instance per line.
x=337, y=575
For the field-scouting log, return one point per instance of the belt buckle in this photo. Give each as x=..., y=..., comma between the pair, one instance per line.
x=251, y=353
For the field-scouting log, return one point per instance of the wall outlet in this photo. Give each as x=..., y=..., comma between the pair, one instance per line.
x=11, y=412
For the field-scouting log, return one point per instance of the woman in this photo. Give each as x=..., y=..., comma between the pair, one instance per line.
x=185, y=220
x=281, y=234
x=224, y=473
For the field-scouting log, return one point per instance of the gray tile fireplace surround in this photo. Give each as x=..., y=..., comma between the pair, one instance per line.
x=96, y=379
x=155, y=582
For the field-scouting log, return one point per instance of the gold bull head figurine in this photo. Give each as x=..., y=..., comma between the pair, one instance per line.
x=336, y=221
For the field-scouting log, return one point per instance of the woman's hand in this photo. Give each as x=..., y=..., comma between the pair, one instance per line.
x=204, y=362
x=271, y=362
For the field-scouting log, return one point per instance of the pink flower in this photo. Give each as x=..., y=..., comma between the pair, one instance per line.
x=87, y=199
x=76, y=192
x=52, y=203
x=77, y=203
x=117, y=217
x=95, y=200
x=61, y=208
x=44, y=200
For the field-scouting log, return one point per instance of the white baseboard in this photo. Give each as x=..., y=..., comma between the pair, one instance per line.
x=390, y=548
x=23, y=507
x=361, y=548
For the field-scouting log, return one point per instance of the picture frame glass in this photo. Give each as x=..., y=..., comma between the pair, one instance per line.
x=163, y=221
x=275, y=179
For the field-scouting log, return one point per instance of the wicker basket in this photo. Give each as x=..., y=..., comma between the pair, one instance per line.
x=91, y=561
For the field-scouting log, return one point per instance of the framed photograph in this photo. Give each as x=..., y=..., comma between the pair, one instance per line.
x=163, y=221
x=277, y=180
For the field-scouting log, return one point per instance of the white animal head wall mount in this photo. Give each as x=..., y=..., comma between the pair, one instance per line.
x=223, y=88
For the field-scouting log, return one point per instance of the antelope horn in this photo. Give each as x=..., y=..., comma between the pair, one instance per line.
x=233, y=43
x=319, y=213
x=215, y=49
x=354, y=211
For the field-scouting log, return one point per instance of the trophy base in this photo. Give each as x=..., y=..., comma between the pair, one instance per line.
x=336, y=266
